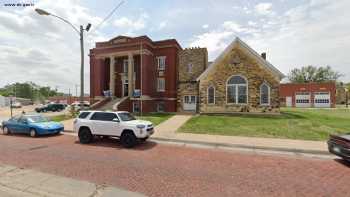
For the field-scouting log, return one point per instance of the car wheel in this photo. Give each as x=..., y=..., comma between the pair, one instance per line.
x=85, y=136
x=128, y=139
x=32, y=133
x=5, y=130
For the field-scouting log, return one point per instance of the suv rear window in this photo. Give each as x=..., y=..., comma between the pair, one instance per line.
x=83, y=115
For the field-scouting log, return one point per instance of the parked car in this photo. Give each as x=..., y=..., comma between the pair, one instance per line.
x=77, y=106
x=340, y=145
x=16, y=105
x=119, y=124
x=31, y=124
x=50, y=107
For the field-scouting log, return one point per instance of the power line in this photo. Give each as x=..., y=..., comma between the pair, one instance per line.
x=106, y=18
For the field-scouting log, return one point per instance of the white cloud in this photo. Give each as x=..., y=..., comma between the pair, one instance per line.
x=205, y=26
x=233, y=26
x=130, y=25
x=44, y=49
x=264, y=8
x=162, y=25
x=308, y=34
x=214, y=41
x=252, y=23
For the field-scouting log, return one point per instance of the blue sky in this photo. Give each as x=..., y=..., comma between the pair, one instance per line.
x=294, y=33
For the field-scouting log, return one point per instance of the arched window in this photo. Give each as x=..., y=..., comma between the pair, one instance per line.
x=264, y=94
x=211, y=95
x=237, y=90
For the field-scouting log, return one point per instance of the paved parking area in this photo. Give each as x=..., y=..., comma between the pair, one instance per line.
x=169, y=170
x=5, y=112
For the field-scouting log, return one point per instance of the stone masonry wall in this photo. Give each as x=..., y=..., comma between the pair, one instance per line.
x=252, y=71
x=187, y=84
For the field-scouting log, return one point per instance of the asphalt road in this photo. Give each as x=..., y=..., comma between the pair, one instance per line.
x=170, y=170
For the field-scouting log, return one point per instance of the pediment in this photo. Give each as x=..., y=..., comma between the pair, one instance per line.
x=119, y=39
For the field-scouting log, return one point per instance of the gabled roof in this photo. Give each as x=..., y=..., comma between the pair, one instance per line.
x=248, y=49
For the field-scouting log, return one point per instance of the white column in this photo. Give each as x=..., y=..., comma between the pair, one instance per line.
x=112, y=76
x=131, y=74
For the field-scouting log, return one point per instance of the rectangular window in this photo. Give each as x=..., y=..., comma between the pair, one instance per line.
x=211, y=95
x=231, y=94
x=189, y=68
x=242, y=94
x=161, y=62
x=83, y=115
x=160, y=84
x=125, y=66
x=160, y=107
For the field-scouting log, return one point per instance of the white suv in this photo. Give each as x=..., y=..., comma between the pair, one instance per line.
x=114, y=124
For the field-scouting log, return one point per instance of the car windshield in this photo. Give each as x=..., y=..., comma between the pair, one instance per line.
x=126, y=116
x=37, y=119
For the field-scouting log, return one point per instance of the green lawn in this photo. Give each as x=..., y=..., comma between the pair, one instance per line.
x=306, y=124
x=60, y=118
x=155, y=118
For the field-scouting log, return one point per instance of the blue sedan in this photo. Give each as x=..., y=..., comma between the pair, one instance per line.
x=33, y=125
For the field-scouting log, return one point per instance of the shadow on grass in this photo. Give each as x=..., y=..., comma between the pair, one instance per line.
x=115, y=143
x=282, y=115
x=156, y=115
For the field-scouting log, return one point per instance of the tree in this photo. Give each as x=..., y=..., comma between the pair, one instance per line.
x=313, y=74
x=28, y=90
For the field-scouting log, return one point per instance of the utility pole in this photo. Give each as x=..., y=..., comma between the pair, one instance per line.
x=141, y=79
x=82, y=67
x=69, y=97
x=81, y=36
x=76, y=90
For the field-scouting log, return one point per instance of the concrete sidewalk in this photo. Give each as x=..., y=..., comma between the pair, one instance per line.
x=166, y=131
x=16, y=182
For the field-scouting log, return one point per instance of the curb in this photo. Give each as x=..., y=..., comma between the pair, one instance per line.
x=214, y=144
x=227, y=145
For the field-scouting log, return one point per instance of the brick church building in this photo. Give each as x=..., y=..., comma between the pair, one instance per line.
x=138, y=74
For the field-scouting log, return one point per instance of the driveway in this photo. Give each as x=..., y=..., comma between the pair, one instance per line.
x=170, y=170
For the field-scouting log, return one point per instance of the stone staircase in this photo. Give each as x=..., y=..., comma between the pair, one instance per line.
x=111, y=105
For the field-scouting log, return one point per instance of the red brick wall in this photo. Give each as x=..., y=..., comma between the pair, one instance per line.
x=151, y=105
x=289, y=90
x=99, y=71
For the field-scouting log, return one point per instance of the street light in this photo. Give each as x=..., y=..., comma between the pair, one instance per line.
x=81, y=35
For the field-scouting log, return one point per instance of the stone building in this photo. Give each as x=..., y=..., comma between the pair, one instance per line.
x=239, y=80
x=192, y=63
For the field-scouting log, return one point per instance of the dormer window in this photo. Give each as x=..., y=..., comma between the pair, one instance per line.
x=161, y=63
x=189, y=68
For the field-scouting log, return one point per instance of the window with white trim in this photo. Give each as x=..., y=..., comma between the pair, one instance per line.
x=237, y=90
x=264, y=94
x=211, y=95
x=161, y=62
x=160, y=84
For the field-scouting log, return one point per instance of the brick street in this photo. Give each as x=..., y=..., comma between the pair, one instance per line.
x=169, y=170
